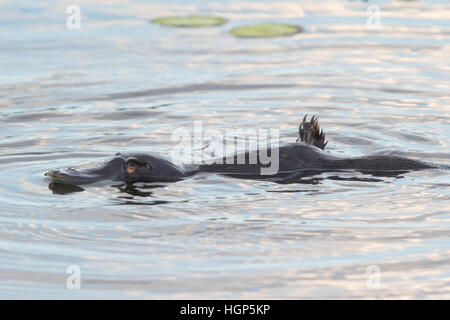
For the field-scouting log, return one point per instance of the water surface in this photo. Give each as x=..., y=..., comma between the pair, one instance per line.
x=71, y=97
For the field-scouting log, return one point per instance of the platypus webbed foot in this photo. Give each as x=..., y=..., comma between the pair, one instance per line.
x=311, y=133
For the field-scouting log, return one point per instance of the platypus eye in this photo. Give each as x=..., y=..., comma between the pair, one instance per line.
x=132, y=163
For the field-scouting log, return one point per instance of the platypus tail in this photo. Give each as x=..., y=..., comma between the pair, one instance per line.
x=383, y=163
x=310, y=132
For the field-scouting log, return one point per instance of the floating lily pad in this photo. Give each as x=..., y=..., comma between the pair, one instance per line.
x=265, y=30
x=190, y=21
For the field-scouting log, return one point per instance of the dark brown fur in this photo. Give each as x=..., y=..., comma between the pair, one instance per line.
x=311, y=133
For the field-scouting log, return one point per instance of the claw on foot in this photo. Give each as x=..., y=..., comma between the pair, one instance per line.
x=310, y=132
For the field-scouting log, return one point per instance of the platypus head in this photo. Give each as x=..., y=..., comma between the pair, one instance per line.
x=123, y=167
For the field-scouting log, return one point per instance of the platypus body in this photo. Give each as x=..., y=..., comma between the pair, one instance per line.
x=305, y=157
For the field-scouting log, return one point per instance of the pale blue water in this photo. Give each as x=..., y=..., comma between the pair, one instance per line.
x=69, y=97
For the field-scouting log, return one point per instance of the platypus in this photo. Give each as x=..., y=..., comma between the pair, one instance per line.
x=304, y=157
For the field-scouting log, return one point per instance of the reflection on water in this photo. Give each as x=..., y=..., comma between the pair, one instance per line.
x=63, y=188
x=122, y=84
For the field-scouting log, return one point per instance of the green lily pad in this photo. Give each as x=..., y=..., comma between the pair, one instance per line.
x=190, y=21
x=265, y=30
